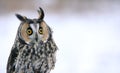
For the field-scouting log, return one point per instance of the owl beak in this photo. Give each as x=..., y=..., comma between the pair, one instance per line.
x=36, y=37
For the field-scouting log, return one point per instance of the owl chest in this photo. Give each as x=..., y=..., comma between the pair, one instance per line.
x=34, y=59
x=35, y=53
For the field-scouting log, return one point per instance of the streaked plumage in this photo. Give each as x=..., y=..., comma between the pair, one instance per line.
x=34, y=49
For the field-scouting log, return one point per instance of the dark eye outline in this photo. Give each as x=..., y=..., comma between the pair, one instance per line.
x=40, y=30
x=29, y=31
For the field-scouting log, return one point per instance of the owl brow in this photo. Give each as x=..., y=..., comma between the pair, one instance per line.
x=30, y=21
x=39, y=21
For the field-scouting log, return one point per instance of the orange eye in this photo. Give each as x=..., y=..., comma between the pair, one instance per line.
x=40, y=30
x=29, y=31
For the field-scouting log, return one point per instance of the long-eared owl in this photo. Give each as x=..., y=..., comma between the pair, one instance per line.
x=34, y=48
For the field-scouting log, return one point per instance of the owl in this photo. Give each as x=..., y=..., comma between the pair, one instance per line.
x=34, y=50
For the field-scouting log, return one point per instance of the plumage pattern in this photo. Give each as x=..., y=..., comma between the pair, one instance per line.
x=32, y=54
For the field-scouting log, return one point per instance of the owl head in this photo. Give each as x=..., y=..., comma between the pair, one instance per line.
x=33, y=30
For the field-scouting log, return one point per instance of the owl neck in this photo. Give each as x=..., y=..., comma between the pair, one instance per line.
x=22, y=41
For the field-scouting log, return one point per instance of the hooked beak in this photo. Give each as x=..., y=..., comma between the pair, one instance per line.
x=36, y=37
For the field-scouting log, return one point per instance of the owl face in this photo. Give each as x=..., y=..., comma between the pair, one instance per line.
x=33, y=30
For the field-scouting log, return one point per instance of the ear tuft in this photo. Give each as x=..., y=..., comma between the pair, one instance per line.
x=41, y=13
x=20, y=17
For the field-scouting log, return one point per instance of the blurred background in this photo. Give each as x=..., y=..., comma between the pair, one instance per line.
x=87, y=32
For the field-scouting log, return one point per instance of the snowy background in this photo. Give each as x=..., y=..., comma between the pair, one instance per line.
x=87, y=32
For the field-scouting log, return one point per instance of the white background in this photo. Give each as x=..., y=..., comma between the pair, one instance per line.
x=88, y=42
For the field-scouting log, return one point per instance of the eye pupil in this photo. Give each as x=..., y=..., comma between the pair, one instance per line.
x=29, y=31
x=40, y=30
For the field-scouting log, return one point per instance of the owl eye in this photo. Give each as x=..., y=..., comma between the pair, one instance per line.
x=40, y=30
x=29, y=31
